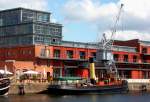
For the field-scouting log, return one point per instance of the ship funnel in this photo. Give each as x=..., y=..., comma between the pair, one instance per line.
x=92, y=71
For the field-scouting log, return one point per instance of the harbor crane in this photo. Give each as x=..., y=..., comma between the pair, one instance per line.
x=107, y=47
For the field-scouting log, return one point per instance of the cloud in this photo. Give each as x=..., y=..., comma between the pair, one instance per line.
x=134, y=18
x=87, y=10
x=126, y=35
x=32, y=4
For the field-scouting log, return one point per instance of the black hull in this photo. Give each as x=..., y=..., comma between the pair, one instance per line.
x=4, y=86
x=57, y=89
x=4, y=91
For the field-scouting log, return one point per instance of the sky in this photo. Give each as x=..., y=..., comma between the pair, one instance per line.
x=87, y=20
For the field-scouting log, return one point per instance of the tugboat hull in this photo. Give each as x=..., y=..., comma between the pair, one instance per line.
x=4, y=91
x=68, y=90
x=4, y=86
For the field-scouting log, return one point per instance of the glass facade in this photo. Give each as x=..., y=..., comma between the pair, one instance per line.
x=47, y=34
x=29, y=15
x=11, y=17
x=1, y=22
x=48, y=30
x=16, y=40
x=26, y=27
x=16, y=30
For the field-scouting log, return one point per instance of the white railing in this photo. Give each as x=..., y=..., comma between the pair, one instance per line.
x=138, y=80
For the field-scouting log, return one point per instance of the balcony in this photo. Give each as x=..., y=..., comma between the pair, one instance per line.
x=122, y=60
x=124, y=48
x=131, y=61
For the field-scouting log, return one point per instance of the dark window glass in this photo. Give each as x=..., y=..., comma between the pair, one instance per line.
x=144, y=50
x=82, y=55
x=69, y=54
x=57, y=53
x=134, y=58
x=125, y=58
x=93, y=54
x=116, y=57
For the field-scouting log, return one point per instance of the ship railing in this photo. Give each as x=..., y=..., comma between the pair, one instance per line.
x=68, y=82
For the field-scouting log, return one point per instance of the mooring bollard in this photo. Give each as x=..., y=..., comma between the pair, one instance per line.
x=143, y=88
x=21, y=89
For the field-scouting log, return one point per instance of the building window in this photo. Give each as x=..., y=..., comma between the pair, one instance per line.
x=125, y=58
x=1, y=22
x=144, y=50
x=42, y=52
x=93, y=54
x=48, y=63
x=30, y=52
x=57, y=53
x=69, y=54
x=8, y=53
x=39, y=29
x=82, y=55
x=116, y=57
x=134, y=58
x=38, y=62
x=42, y=17
x=27, y=15
x=45, y=52
x=57, y=72
x=23, y=52
x=143, y=58
x=39, y=16
x=54, y=40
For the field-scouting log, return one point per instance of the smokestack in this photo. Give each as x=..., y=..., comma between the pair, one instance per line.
x=92, y=71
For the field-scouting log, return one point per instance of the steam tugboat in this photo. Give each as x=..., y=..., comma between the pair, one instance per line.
x=87, y=89
x=77, y=85
x=4, y=85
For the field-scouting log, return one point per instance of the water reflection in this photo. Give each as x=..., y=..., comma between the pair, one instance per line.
x=138, y=97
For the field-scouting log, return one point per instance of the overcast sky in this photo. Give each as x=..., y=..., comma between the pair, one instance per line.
x=87, y=20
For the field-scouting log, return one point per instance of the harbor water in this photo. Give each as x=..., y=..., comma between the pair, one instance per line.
x=136, y=97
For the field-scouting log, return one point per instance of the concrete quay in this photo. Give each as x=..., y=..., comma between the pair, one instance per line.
x=29, y=88
x=139, y=85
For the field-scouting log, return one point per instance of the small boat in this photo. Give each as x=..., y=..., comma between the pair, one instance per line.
x=4, y=85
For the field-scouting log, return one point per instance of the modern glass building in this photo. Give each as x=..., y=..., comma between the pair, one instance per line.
x=22, y=26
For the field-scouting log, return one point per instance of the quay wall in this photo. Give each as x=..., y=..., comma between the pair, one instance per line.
x=139, y=84
x=29, y=88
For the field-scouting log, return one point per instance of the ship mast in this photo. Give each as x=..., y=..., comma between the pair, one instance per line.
x=107, y=47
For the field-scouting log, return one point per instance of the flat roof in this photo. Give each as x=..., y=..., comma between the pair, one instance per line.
x=88, y=43
x=21, y=8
